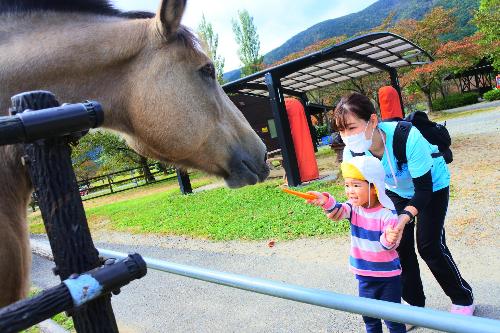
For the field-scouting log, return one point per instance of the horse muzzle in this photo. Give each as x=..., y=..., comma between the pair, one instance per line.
x=245, y=169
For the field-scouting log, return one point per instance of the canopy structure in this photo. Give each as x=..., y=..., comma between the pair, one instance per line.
x=350, y=59
x=353, y=58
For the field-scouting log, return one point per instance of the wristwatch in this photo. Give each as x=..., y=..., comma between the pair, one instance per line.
x=405, y=212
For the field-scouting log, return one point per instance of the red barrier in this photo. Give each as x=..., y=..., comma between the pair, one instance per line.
x=304, y=149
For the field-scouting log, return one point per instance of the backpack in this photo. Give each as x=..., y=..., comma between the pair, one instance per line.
x=435, y=133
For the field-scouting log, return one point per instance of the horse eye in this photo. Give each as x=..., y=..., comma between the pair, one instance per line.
x=208, y=71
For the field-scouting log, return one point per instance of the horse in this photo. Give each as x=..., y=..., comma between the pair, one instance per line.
x=157, y=87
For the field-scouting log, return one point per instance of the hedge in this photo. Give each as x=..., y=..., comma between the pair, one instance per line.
x=454, y=101
x=492, y=95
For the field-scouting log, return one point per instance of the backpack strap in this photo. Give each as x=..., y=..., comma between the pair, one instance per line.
x=357, y=154
x=436, y=155
x=399, y=142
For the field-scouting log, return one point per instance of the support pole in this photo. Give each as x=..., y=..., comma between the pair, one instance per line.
x=312, y=130
x=395, y=83
x=283, y=129
x=184, y=181
x=52, y=175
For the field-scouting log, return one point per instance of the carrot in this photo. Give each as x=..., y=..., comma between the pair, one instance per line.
x=300, y=194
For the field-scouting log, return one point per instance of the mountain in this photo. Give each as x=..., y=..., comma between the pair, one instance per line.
x=367, y=19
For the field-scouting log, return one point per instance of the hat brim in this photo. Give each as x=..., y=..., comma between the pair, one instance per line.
x=382, y=197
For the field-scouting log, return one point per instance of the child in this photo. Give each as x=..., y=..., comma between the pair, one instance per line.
x=374, y=235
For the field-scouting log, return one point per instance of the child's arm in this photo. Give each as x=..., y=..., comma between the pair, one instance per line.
x=389, y=237
x=334, y=210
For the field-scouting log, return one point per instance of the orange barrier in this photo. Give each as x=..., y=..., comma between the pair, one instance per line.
x=304, y=149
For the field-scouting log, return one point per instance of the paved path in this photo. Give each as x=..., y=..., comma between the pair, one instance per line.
x=477, y=106
x=482, y=123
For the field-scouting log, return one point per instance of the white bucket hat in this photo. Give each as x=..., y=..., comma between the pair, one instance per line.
x=370, y=169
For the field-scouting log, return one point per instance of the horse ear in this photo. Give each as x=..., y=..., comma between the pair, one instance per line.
x=168, y=17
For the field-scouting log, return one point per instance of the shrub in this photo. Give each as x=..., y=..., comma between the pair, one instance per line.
x=454, y=101
x=322, y=131
x=492, y=95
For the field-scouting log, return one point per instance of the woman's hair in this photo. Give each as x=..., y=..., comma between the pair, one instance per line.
x=358, y=104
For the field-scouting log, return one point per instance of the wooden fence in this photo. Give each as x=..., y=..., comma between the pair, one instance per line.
x=115, y=182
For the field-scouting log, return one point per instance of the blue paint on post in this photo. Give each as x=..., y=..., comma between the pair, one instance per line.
x=83, y=289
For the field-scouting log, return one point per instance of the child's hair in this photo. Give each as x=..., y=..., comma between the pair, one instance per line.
x=356, y=103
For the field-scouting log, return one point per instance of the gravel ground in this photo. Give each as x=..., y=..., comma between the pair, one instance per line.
x=162, y=302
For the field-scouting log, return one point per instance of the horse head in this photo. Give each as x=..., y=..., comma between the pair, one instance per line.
x=177, y=111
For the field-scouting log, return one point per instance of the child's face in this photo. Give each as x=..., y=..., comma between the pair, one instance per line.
x=357, y=192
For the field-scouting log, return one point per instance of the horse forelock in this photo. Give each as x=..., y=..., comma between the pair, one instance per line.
x=188, y=39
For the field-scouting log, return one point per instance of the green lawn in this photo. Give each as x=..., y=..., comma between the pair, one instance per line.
x=255, y=212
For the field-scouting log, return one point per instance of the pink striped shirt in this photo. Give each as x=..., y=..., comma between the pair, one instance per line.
x=371, y=254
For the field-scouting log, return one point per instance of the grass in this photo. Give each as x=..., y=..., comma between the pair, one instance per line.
x=61, y=319
x=442, y=116
x=255, y=212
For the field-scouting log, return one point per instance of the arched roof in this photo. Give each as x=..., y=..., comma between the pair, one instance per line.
x=353, y=58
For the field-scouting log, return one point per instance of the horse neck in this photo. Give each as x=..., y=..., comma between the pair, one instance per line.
x=73, y=55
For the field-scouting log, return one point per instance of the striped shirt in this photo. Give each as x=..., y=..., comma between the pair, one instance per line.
x=371, y=254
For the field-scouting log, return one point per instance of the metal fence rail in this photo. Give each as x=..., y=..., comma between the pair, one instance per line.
x=422, y=317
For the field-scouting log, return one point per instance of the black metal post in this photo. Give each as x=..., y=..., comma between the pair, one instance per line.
x=283, y=129
x=395, y=83
x=49, y=164
x=312, y=130
x=184, y=182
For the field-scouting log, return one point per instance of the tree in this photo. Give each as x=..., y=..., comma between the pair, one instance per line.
x=210, y=42
x=487, y=20
x=426, y=33
x=248, y=42
x=109, y=152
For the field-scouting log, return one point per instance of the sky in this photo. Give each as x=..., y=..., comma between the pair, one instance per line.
x=276, y=20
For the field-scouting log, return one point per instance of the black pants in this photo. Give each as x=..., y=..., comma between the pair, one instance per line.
x=385, y=290
x=432, y=248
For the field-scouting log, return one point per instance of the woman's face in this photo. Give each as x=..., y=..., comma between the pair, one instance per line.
x=355, y=125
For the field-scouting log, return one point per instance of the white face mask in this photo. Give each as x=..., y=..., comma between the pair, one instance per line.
x=358, y=143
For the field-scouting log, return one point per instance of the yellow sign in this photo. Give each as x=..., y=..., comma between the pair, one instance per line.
x=265, y=129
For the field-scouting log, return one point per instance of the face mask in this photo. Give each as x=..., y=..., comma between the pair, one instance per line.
x=358, y=143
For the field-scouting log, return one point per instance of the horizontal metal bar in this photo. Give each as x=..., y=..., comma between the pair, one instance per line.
x=421, y=317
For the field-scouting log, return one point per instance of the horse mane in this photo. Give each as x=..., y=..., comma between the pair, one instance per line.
x=101, y=7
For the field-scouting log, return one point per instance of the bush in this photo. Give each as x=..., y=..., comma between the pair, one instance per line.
x=454, y=101
x=492, y=95
x=322, y=131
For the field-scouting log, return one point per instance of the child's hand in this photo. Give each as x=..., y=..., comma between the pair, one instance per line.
x=392, y=235
x=320, y=200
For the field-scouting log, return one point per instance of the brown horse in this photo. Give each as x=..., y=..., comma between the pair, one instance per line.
x=155, y=83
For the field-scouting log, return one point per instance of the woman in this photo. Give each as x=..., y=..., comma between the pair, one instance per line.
x=418, y=188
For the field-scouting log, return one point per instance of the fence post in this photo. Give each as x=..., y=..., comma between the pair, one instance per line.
x=110, y=183
x=51, y=171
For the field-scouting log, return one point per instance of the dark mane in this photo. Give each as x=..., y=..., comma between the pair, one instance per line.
x=102, y=7
x=187, y=38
